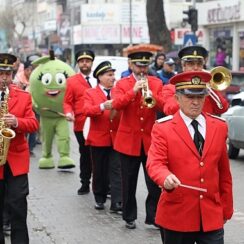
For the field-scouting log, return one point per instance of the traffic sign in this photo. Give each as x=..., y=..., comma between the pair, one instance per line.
x=189, y=40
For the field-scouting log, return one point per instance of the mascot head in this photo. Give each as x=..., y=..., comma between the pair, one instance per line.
x=48, y=83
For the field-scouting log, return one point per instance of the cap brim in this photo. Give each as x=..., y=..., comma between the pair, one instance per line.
x=193, y=91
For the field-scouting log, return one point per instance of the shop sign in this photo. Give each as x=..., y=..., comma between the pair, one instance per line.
x=179, y=34
x=100, y=13
x=101, y=34
x=139, y=33
x=224, y=13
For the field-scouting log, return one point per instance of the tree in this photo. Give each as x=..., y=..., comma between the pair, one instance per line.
x=158, y=30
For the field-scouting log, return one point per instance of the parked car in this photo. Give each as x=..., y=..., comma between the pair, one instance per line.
x=237, y=84
x=235, y=119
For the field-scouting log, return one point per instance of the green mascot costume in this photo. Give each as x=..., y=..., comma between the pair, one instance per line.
x=47, y=87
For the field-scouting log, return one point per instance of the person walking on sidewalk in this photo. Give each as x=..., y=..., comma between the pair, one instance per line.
x=17, y=114
x=188, y=159
x=133, y=135
x=102, y=132
x=73, y=104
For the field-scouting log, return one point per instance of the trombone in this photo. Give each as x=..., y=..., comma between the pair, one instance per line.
x=221, y=79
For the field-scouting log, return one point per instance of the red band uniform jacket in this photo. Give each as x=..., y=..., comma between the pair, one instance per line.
x=171, y=106
x=20, y=104
x=74, y=101
x=173, y=151
x=102, y=130
x=136, y=120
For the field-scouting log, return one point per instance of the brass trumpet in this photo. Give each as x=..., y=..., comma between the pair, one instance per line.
x=148, y=100
x=221, y=79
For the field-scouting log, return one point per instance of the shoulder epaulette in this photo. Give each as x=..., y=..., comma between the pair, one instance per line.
x=217, y=117
x=164, y=119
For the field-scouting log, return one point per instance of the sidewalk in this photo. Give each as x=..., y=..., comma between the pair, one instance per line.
x=57, y=215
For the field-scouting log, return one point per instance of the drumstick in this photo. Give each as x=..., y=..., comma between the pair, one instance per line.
x=53, y=111
x=194, y=188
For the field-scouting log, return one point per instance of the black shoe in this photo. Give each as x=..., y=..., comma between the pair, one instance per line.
x=99, y=205
x=38, y=142
x=32, y=154
x=130, y=225
x=85, y=189
x=6, y=229
x=116, y=208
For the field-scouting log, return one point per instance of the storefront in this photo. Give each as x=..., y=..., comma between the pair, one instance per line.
x=223, y=22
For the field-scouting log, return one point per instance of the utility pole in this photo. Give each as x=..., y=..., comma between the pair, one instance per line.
x=130, y=11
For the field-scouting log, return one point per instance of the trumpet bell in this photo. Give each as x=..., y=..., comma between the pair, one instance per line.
x=221, y=78
x=149, y=102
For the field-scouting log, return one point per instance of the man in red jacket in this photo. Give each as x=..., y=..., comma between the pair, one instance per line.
x=193, y=59
x=16, y=113
x=103, y=128
x=188, y=159
x=133, y=137
x=73, y=104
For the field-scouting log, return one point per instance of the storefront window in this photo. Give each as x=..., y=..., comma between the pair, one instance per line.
x=241, y=54
x=220, y=53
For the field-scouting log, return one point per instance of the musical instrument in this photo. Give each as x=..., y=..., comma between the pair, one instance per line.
x=221, y=79
x=148, y=100
x=53, y=111
x=86, y=127
x=6, y=134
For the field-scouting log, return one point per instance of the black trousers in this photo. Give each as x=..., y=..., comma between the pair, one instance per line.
x=85, y=159
x=130, y=166
x=17, y=189
x=199, y=237
x=106, y=171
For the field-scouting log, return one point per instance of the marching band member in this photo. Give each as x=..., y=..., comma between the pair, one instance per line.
x=193, y=59
x=188, y=159
x=134, y=133
x=102, y=132
x=73, y=103
x=17, y=114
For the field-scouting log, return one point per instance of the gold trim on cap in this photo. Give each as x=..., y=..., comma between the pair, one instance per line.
x=84, y=56
x=140, y=60
x=6, y=65
x=103, y=68
x=192, y=56
x=195, y=83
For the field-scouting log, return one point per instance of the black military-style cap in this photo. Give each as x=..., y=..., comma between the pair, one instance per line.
x=191, y=82
x=102, y=68
x=84, y=54
x=7, y=61
x=193, y=52
x=140, y=58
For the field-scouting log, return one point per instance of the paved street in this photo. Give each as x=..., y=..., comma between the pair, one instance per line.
x=57, y=215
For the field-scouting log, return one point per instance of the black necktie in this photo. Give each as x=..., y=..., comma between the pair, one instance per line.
x=198, y=138
x=108, y=93
x=87, y=79
x=2, y=96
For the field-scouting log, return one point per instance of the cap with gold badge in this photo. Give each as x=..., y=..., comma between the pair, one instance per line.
x=140, y=58
x=84, y=54
x=191, y=82
x=7, y=61
x=192, y=52
x=102, y=68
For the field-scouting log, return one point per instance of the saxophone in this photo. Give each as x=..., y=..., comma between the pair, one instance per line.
x=6, y=134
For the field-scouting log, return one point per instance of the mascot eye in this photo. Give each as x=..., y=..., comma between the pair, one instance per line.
x=46, y=79
x=60, y=78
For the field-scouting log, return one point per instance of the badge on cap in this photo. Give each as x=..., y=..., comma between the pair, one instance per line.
x=196, y=80
x=195, y=53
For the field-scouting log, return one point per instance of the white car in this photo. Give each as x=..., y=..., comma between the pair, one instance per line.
x=235, y=119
